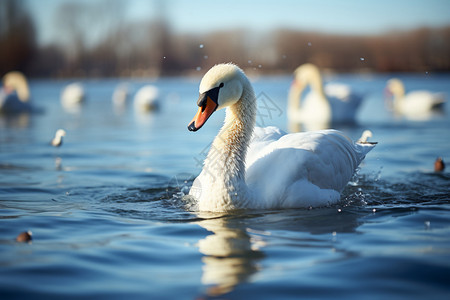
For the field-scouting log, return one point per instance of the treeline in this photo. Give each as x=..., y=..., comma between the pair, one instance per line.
x=97, y=44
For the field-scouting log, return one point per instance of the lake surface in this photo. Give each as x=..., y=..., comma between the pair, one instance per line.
x=108, y=220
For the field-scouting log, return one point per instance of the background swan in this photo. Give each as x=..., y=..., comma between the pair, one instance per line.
x=15, y=94
x=263, y=168
x=147, y=99
x=58, y=139
x=72, y=97
x=415, y=103
x=322, y=106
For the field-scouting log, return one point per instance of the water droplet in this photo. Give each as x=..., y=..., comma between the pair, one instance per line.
x=427, y=224
x=309, y=44
x=164, y=57
x=334, y=233
x=198, y=68
x=362, y=59
x=426, y=73
x=339, y=210
x=205, y=57
x=260, y=66
x=201, y=46
x=374, y=210
x=249, y=61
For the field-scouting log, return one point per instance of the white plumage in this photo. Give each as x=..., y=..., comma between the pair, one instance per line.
x=324, y=105
x=72, y=97
x=58, y=139
x=147, y=99
x=415, y=104
x=15, y=94
x=264, y=168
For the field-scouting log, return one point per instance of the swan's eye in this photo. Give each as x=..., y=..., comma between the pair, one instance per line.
x=221, y=85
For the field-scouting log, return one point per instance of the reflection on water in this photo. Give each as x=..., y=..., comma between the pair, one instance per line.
x=231, y=255
x=234, y=250
x=21, y=120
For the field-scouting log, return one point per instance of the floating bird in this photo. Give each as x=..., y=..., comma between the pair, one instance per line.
x=57, y=140
x=24, y=237
x=415, y=103
x=263, y=168
x=147, y=99
x=15, y=94
x=324, y=105
x=439, y=165
x=73, y=96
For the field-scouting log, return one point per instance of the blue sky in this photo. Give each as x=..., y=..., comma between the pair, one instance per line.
x=331, y=16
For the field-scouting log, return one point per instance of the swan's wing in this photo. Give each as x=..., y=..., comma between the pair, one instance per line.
x=304, y=169
x=262, y=136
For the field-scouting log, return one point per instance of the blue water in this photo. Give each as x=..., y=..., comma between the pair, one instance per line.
x=108, y=221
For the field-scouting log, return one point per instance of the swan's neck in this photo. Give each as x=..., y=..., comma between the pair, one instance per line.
x=399, y=97
x=225, y=162
x=309, y=77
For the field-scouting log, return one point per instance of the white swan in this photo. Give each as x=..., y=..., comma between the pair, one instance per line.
x=72, y=97
x=147, y=99
x=415, y=103
x=57, y=140
x=15, y=94
x=322, y=106
x=264, y=168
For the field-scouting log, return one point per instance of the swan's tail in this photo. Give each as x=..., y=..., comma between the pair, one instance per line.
x=439, y=101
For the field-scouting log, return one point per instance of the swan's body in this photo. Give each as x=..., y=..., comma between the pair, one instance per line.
x=323, y=105
x=415, y=103
x=264, y=168
x=15, y=94
x=73, y=96
x=57, y=140
x=147, y=99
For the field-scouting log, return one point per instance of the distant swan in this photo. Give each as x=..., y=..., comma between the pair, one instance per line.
x=265, y=168
x=15, y=94
x=73, y=96
x=147, y=99
x=322, y=106
x=120, y=96
x=57, y=140
x=415, y=103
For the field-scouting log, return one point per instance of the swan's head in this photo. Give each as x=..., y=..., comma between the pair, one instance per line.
x=305, y=74
x=220, y=87
x=395, y=87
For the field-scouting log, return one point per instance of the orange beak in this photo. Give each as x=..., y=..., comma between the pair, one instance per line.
x=203, y=113
x=207, y=103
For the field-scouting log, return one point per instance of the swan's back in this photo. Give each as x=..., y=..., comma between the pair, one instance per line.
x=306, y=169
